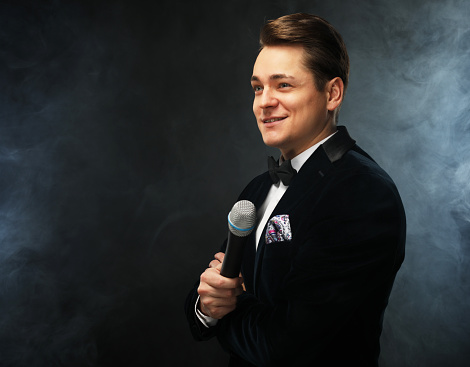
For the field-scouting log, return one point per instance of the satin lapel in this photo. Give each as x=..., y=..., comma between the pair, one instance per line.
x=312, y=172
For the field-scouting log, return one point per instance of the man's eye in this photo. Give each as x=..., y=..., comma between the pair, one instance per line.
x=257, y=88
x=284, y=85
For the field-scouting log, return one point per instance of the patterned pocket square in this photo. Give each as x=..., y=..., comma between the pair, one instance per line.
x=278, y=229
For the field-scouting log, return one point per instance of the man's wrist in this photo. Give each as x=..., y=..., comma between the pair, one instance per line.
x=207, y=321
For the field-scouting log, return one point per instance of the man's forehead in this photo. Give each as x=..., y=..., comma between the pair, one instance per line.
x=276, y=62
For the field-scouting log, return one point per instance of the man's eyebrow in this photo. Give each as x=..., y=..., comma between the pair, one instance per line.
x=280, y=76
x=254, y=78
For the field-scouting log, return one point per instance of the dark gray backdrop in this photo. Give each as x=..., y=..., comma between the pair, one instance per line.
x=126, y=134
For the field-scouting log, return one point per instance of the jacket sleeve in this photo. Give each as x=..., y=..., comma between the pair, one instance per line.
x=346, y=251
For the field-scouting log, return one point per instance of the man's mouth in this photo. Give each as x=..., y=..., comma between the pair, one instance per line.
x=274, y=119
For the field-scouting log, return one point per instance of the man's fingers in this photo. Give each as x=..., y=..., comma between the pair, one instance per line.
x=218, y=259
x=218, y=302
x=217, y=312
x=214, y=263
x=212, y=277
x=240, y=289
x=219, y=256
x=207, y=290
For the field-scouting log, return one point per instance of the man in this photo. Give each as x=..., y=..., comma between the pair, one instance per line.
x=318, y=271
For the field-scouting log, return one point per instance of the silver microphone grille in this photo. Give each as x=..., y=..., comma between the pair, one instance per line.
x=242, y=218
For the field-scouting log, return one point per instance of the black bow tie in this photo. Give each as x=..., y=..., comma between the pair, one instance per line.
x=283, y=172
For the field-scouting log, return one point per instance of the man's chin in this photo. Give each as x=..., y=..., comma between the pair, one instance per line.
x=272, y=140
x=272, y=144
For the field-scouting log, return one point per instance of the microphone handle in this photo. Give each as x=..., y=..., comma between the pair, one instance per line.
x=233, y=256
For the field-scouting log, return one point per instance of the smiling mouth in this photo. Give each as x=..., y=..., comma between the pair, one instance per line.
x=274, y=119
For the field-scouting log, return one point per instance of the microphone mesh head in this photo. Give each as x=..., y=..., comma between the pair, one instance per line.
x=242, y=218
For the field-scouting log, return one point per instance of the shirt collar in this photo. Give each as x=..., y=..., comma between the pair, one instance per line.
x=299, y=160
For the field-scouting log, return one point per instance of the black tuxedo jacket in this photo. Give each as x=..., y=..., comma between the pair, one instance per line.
x=318, y=299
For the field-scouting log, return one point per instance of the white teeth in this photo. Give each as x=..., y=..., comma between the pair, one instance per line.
x=276, y=119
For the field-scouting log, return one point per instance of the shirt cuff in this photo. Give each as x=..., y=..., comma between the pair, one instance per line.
x=207, y=321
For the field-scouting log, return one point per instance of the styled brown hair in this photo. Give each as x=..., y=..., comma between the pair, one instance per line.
x=326, y=54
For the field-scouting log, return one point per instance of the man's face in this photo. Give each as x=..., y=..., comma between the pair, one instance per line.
x=292, y=114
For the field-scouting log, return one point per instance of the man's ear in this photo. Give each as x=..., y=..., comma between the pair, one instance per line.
x=335, y=89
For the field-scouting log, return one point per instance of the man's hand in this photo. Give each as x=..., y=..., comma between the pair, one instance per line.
x=218, y=294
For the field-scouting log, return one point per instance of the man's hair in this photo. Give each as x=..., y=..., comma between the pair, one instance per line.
x=326, y=54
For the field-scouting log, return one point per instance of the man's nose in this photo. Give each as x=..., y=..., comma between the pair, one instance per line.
x=268, y=99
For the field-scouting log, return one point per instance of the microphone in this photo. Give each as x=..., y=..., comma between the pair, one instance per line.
x=241, y=221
